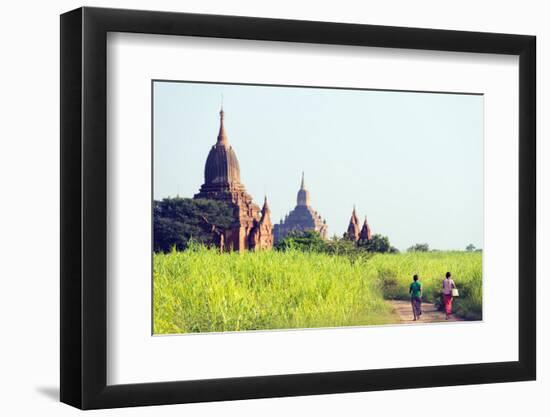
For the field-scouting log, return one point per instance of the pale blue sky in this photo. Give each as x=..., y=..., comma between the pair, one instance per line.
x=411, y=162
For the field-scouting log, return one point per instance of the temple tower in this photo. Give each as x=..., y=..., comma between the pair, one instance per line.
x=353, y=227
x=365, y=235
x=261, y=236
x=302, y=198
x=222, y=181
x=302, y=218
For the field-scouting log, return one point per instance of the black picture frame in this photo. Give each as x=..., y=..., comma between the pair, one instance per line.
x=84, y=207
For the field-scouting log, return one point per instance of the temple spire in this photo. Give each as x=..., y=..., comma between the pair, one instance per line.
x=366, y=234
x=222, y=136
x=303, y=194
x=266, y=208
x=266, y=218
x=354, y=217
x=353, y=227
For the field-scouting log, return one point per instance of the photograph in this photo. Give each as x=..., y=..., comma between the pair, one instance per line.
x=272, y=206
x=294, y=207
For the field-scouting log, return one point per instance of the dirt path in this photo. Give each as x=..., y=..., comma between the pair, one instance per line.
x=403, y=310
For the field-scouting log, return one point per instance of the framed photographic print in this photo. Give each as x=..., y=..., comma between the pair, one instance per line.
x=257, y=207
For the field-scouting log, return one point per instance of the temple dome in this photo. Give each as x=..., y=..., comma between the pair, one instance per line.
x=222, y=165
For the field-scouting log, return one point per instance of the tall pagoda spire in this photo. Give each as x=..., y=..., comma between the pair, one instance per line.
x=303, y=194
x=353, y=227
x=354, y=217
x=221, y=170
x=261, y=235
x=365, y=234
x=222, y=136
x=265, y=209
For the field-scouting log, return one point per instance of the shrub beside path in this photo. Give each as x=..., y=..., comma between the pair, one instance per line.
x=430, y=314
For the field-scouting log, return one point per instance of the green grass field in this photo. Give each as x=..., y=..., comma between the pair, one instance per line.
x=201, y=290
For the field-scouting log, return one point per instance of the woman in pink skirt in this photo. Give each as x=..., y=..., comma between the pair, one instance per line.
x=448, y=285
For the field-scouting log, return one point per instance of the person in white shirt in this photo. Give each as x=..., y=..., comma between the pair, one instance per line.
x=448, y=285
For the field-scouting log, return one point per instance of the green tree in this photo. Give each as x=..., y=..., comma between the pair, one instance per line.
x=344, y=247
x=177, y=220
x=419, y=247
x=307, y=240
x=470, y=248
x=378, y=244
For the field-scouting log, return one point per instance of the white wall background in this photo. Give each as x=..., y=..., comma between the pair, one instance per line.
x=29, y=219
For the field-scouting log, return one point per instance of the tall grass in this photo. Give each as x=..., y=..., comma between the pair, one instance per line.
x=201, y=290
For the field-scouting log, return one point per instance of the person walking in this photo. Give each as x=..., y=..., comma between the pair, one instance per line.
x=448, y=286
x=415, y=290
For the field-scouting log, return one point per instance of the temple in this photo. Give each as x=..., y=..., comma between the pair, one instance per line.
x=365, y=235
x=353, y=227
x=251, y=228
x=302, y=218
x=356, y=234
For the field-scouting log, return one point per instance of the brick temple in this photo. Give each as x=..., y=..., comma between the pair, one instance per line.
x=356, y=233
x=302, y=218
x=251, y=228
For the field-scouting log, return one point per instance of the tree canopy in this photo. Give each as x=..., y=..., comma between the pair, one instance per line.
x=378, y=244
x=308, y=240
x=419, y=247
x=311, y=241
x=178, y=220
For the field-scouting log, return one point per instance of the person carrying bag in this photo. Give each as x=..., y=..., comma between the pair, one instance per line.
x=449, y=291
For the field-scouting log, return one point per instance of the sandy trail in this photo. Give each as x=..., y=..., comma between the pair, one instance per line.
x=430, y=314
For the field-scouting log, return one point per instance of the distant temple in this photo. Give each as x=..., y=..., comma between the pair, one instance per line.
x=365, y=235
x=354, y=233
x=302, y=218
x=353, y=227
x=251, y=228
